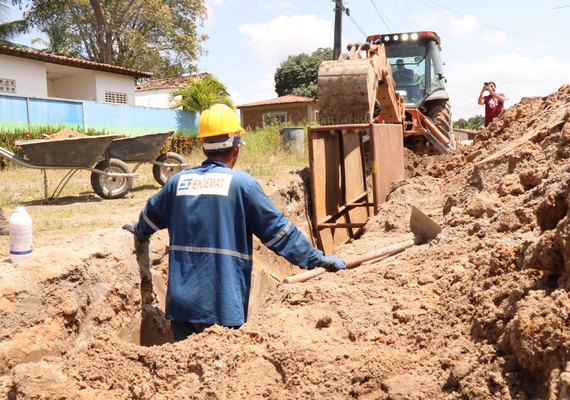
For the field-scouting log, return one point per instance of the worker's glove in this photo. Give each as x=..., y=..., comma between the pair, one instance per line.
x=332, y=263
x=132, y=228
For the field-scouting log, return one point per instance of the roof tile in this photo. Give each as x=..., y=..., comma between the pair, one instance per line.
x=168, y=83
x=24, y=52
x=280, y=100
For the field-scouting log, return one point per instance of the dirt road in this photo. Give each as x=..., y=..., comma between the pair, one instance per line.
x=481, y=312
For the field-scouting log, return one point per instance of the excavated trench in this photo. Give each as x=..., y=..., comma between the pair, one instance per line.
x=149, y=327
x=481, y=312
x=101, y=284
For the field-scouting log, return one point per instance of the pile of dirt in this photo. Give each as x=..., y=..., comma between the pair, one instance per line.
x=480, y=312
x=64, y=133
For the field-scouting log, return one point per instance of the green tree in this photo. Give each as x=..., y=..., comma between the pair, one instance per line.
x=298, y=74
x=199, y=94
x=140, y=34
x=57, y=42
x=460, y=123
x=474, y=122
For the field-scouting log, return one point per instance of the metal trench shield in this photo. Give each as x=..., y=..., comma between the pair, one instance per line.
x=352, y=168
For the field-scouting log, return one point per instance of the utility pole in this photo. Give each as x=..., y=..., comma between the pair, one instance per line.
x=338, y=9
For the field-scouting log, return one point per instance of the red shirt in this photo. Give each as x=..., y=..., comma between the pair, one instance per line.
x=493, y=107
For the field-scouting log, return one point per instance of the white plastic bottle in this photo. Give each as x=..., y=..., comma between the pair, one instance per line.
x=20, y=228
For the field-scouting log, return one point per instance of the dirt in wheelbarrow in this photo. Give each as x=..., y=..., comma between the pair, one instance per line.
x=480, y=312
x=64, y=133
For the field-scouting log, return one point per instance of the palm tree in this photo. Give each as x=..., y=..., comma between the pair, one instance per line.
x=199, y=94
x=56, y=42
x=11, y=29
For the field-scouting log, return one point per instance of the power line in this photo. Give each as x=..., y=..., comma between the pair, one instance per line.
x=380, y=15
x=402, y=15
x=309, y=6
x=497, y=28
x=358, y=26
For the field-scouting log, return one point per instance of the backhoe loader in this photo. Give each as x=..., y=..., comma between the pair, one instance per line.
x=367, y=85
x=383, y=94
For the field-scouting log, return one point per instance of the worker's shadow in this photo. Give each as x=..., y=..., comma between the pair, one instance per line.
x=154, y=327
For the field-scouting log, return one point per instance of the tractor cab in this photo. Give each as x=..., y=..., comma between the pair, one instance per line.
x=416, y=66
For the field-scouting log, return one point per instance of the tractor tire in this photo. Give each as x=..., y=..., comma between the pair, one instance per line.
x=439, y=112
x=162, y=173
x=111, y=187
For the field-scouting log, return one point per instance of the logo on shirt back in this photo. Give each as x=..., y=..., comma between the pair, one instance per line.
x=196, y=185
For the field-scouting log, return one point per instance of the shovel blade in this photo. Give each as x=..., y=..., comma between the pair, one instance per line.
x=423, y=227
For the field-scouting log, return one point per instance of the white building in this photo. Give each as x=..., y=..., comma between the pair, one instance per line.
x=157, y=92
x=29, y=73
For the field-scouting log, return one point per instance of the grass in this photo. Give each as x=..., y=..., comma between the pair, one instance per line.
x=78, y=209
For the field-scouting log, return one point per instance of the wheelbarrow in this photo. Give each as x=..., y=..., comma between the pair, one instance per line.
x=145, y=148
x=110, y=178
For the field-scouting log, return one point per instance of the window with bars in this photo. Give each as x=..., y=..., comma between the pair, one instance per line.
x=7, y=85
x=274, y=118
x=115, y=97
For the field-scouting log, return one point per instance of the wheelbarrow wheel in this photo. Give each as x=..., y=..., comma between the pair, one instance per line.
x=111, y=187
x=163, y=172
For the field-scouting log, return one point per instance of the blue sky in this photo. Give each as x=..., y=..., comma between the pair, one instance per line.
x=524, y=46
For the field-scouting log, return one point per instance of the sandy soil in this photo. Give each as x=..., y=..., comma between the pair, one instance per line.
x=480, y=312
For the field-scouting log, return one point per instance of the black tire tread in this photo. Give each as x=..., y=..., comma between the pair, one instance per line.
x=440, y=113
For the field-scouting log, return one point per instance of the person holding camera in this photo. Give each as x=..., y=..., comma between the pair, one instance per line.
x=493, y=101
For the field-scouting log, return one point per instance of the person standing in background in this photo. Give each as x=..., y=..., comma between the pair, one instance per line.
x=493, y=102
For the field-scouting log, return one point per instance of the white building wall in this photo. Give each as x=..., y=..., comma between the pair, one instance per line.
x=80, y=86
x=30, y=76
x=108, y=82
x=159, y=98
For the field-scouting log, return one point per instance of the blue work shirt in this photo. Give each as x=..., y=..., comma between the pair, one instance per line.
x=211, y=212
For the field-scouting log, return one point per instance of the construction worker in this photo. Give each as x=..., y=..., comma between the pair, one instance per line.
x=211, y=212
x=493, y=102
x=402, y=75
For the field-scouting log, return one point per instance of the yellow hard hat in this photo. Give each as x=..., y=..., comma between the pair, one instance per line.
x=219, y=120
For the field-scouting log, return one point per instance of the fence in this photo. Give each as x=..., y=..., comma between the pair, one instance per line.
x=23, y=112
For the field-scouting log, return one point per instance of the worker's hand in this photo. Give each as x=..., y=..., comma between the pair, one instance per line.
x=132, y=228
x=332, y=263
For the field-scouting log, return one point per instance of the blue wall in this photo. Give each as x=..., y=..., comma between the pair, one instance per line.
x=23, y=112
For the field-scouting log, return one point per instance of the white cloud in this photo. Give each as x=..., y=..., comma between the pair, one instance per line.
x=496, y=38
x=463, y=28
x=427, y=20
x=276, y=6
x=262, y=88
x=516, y=76
x=211, y=6
x=272, y=42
